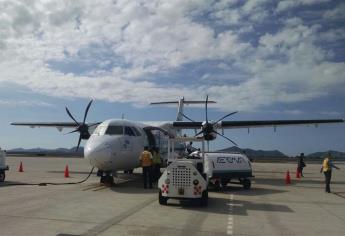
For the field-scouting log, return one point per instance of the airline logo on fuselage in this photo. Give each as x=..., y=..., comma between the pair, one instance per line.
x=224, y=160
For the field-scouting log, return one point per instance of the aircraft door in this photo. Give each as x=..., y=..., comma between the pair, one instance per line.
x=150, y=138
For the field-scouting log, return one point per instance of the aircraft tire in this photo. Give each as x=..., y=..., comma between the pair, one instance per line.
x=217, y=186
x=204, y=199
x=224, y=182
x=107, y=180
x=2, y=176
x=162, y=200
x=246, y=183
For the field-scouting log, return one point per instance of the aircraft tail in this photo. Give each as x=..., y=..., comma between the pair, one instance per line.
x=180, y=105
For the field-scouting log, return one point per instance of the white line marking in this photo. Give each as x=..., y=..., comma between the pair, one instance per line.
x=230, y=225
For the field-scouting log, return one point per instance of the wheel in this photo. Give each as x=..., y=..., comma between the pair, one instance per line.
x=204, y=199
x=246, y=184
x=107, y=180
x=128, y=171
x=162, y=200
x=217, y=185
x=2, y=176
x=224, y=182
x=99, y=173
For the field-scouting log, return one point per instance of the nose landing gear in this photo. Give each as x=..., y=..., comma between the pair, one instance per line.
x=107, y=177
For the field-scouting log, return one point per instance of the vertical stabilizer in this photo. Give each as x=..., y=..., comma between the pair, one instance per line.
x=180, y=105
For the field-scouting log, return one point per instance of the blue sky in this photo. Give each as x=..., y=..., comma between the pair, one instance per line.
x=266, y=59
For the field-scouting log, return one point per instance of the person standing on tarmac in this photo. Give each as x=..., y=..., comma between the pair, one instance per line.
x=326, y=168
x=157, y=161
x=146, y=163
x=301, y=164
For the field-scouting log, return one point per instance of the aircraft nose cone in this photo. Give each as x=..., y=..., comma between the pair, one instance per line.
x=97, y=153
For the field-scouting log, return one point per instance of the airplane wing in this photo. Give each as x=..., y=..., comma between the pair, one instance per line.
x=254, y=123
x=58, y=125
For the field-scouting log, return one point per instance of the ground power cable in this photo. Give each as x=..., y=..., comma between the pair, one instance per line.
x=49, y=183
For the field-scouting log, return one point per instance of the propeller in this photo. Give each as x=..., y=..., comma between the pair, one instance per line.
x=208, y=129
x=81, y=127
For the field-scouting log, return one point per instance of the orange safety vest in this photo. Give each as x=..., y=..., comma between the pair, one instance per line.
x=146, y=158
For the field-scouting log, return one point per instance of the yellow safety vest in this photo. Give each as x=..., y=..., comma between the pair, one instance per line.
x=146, y=158
x=325, y=165
x=156, y=158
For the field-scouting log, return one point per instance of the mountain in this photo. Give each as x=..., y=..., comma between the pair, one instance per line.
x=47, y=152
x=255, y=154
x=320, y=155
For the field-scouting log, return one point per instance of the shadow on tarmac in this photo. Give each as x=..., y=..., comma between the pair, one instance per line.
x=254, y=191
x=241, y=207
x=281, y=182
x=220, y=205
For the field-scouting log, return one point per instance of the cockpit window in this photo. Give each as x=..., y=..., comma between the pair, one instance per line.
x=114, y=130
x=100, y=130
x=129, y=131
x=136, y=131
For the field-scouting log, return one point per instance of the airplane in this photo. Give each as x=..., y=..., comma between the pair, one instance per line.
x=115, y=144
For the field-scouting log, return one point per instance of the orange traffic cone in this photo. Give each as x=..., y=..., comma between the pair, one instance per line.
x=66, y=172
x=287, y=177
x=298, y=173
x=21, y=169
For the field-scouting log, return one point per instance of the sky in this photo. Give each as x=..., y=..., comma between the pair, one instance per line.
x=265, y=59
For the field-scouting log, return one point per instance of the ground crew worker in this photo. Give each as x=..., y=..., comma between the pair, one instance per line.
x=326, y=168
x=157, y=161
x=301, y=164
x=146, y=163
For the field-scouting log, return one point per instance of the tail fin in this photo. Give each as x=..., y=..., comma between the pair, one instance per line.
x=180, y=106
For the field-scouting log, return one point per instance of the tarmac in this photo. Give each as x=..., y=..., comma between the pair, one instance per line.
x=270, y=207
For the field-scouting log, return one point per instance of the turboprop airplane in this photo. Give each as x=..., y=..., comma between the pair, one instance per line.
x=116, y=144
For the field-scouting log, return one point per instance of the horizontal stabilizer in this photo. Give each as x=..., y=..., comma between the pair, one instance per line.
x=184, y=101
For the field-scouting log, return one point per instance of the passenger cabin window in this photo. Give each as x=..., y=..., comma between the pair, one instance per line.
x=114, y=130
x=129, y=131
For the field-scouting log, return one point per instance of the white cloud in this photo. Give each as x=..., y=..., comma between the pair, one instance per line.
x=238, y=12
x=22, y=103
x=336, y=13
x=288, y=4
x=126, y=46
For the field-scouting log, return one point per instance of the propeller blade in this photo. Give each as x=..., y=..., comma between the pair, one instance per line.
x=226, y=138
x=198, y=133
x=70, y=115
x=72, y=131
x=208, y=145
x=186, y=117
x=206, y=108
x=230, y=114
x=79, y=142
x=87, y=110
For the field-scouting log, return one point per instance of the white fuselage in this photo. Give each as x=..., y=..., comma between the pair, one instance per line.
x=115, y=145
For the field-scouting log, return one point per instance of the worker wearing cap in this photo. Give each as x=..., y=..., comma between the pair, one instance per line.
x=326, y=168
x=146, y=163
